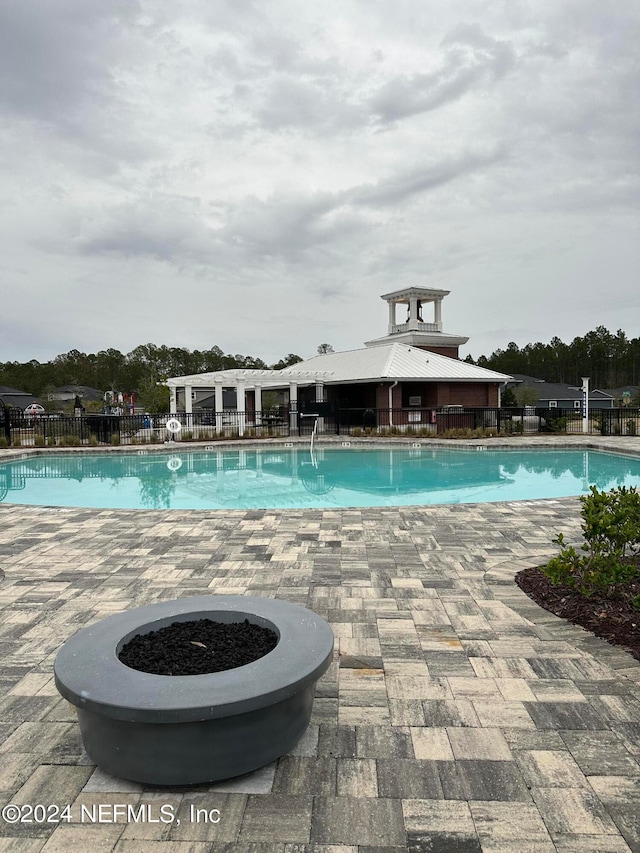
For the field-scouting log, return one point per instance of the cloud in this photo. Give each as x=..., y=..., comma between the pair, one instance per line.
x=471, y=59
x=55, y=57
x=421, y=179
x=161, y=228
x=316, y=105
x=305, y=154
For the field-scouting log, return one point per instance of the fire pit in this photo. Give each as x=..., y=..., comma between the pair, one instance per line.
x=192, y=729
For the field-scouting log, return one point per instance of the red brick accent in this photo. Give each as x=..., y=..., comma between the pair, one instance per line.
x=396, y=397
x=450, y=352
x=469, y=394
x=443, y=394
x=382, y=404
x=382, y=401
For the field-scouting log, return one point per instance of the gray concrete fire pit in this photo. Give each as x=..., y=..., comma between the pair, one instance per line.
x=191, y=729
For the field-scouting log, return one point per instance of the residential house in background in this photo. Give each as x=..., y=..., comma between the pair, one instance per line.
x=12, y=398
x=66, y=394
x=626, y=395
x=552, y=395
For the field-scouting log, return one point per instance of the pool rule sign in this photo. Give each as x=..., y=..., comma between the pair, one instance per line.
x=585, y=404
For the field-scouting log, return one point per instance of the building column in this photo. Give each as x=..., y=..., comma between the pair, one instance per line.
x=392, y=316
x=293, y=407
x=241, y=407
x=413, y=308
x=320, y=399
x=258, y=404
x=219, y=407
x=188, y=407
x=173, y=408
x=437, y=314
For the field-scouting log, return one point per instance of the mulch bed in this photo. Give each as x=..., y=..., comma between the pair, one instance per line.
x=198, y=647
x=612, y=618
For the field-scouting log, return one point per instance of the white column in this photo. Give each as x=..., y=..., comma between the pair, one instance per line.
x=413, y=308
x=173, y=408
x=293, y=406
x=585, y=404
x=392, y=316
x=188, y=408
x=258, y=404
x=219, y=407
x=320, y=399
x=437, y=314
x=241, y=407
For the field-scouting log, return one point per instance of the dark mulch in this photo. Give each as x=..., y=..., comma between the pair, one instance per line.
x=612, y=618
x=198, y=647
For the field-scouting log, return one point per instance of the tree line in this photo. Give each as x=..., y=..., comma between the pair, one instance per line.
x=610, y=361
x=139, y=370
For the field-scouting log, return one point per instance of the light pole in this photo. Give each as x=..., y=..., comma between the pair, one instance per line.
x=585, y=404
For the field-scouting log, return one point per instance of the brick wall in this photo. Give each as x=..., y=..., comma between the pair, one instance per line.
x=450, y=352
x=382, y=401
x=469, y=394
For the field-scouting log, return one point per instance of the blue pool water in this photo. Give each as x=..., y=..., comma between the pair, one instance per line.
x=260, y=478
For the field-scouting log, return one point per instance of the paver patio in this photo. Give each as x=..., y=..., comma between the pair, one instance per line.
x=457, y=716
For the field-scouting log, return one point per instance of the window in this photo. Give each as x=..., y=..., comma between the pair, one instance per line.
x=577, y=404
x=553, y=404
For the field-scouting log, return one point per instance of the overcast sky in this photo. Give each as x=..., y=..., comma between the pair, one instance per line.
x=254, y=175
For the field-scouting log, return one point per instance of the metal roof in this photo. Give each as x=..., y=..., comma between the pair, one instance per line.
x=394, y=362
x=369, y=364
x=249, y=376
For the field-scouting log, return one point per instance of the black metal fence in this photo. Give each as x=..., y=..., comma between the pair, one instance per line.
x=18, y=429
x=499, y=421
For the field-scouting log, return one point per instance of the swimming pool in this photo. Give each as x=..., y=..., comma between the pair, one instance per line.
x=281, y=478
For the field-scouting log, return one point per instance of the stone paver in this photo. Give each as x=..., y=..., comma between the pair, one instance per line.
x=456, y=715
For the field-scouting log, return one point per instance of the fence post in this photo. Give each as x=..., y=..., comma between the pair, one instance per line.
x=6, y=420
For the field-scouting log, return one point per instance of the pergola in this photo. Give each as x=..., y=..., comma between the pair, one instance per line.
x=242, y=380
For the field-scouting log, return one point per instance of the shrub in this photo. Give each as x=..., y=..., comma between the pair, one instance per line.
x=602, y=425
x=631, y=426
x=611, y=529
x=511, y=427
x=39, y=440
x=558, y=424
x=115, y=438
x=3, y=441
x=93, y=440
x=70, y=441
